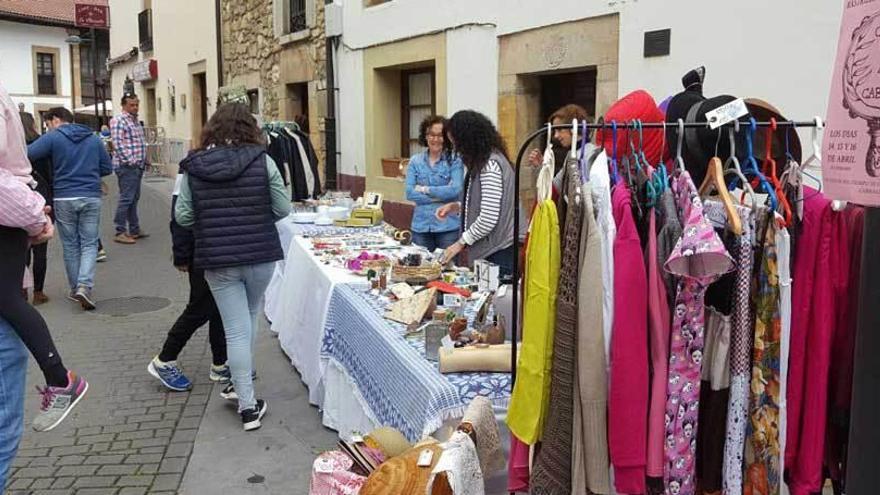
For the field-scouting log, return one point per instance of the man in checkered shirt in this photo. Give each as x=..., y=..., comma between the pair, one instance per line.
x=129, y=161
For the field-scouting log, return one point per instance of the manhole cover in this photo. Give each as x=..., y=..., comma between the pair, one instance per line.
x=124, y=306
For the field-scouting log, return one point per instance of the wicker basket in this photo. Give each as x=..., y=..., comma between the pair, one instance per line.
x=430, y=271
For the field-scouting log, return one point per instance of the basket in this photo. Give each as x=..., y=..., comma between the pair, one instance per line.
x=430, y=271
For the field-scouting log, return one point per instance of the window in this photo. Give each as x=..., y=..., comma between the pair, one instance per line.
x=253, y=96
x=297, y=10
x=46, y=74
x=145, y=30
x=417, y=102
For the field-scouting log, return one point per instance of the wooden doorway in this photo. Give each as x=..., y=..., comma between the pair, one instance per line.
x=200, y=107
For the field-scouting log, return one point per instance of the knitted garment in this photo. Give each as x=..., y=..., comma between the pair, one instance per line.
x=552, y=470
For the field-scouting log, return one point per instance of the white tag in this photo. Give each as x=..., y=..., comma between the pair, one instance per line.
x=425, y=458
x=177, y=182
x=726, y=113
x=357, y=439
x=447, y=343
x=323, y=466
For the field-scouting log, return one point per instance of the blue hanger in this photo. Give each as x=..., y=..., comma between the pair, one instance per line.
x=750, y=166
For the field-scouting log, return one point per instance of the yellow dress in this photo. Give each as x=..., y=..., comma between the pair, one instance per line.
x=531, y=394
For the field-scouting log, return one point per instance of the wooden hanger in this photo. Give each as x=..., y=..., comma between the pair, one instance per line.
x=715, y=180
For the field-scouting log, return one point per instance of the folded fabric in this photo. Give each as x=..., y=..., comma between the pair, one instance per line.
x=494, y=358
x=481, y=417
x=331, y=475
x=461, y=465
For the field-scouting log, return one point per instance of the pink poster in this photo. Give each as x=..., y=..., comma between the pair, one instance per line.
x=851, y=157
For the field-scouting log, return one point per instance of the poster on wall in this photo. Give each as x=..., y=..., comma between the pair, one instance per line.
x=851, y=154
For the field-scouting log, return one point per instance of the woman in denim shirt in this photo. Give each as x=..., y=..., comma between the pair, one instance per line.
x=434, y=178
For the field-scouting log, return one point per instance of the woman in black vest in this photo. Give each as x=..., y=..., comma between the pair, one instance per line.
x=231, y=195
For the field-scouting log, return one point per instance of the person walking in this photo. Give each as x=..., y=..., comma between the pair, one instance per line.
x=487, y=202
x=129, y=161
x=433, y=178
x=200, y=309
x=24, y=221
x=79, y=161
x=42, y=173
x=231, y=195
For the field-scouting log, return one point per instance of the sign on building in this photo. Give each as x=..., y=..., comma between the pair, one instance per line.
x=146, y=70
x=91, y=16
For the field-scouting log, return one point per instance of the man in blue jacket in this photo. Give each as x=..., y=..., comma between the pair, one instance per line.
x=79, y=161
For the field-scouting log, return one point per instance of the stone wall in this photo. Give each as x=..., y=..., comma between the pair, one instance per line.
x=250, y=50
x=253, y=56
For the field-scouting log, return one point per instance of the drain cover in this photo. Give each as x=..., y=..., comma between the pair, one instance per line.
x=124, y=306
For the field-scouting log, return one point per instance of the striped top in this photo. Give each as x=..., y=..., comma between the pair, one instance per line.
x=492, y=185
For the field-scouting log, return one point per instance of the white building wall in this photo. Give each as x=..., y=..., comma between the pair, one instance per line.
x=184, y=35
x=350, y=118
x=781, y=51
x=17, y=63
x=464, y=89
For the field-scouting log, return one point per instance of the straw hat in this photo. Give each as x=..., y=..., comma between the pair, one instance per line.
x=391, y=442
x=401, y=475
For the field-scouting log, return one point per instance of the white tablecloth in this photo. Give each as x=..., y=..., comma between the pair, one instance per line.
x=298, y=312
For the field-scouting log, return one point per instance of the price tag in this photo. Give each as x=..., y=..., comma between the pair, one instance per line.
x=726, y=113
x=447, y=343
x=425, y=458
x=323, y=466
x=357, y=439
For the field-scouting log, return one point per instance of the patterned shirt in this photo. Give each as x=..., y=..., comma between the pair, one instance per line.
x=129, y=143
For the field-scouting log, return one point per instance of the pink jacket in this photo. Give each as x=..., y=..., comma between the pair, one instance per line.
x=13, y=150
x=628, y=391
x=820, y=298
x=20, y=206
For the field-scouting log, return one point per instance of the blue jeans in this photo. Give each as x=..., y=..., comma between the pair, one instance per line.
x=126, y=219
x=13, y=371
x=435, y=240
x=238, y=292
x=78, y=222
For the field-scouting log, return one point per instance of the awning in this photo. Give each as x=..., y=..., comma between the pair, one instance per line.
x=125, y=57
x=90, y=109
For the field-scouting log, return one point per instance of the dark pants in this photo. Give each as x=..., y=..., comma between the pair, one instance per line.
x=435, y=240
x=38, y=255
x=27, y=321
x=504, y=259
x=200, y=309
x=126, y=219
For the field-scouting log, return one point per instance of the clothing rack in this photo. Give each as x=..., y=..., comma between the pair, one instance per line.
x=604, y=126
x=280, y=125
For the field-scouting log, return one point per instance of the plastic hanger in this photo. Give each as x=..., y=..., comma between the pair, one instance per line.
x=545, y=174
x=679, y=161
x=751, y=165
x=770, y=172
x=815, y=161
x=661, y=173
x=795, y=167
x=613, y=163
x=714, y=180
x=582, y=161
x=574, y=137
x=732, y=166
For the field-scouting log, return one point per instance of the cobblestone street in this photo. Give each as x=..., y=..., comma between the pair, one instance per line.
x=130, y=436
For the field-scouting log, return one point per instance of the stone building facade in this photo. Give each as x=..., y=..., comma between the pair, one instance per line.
x=279, y=56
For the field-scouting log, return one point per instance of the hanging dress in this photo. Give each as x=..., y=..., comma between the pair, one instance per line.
x=699, y=258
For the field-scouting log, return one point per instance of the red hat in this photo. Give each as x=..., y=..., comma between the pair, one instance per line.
x=638, y=105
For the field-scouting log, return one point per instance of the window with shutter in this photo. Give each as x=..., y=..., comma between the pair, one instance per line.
x=417, y=102
x=46, y=74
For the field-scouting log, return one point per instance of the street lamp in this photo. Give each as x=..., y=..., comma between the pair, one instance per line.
x=77, y=40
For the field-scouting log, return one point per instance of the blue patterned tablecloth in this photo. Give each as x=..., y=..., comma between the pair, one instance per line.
x=401, y=387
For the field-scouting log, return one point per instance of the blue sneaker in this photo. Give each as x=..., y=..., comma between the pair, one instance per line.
x=170, y=375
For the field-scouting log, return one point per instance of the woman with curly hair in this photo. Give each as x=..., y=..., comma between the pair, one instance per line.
x=486, y=206
x=433, y=178
x=231, y=195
